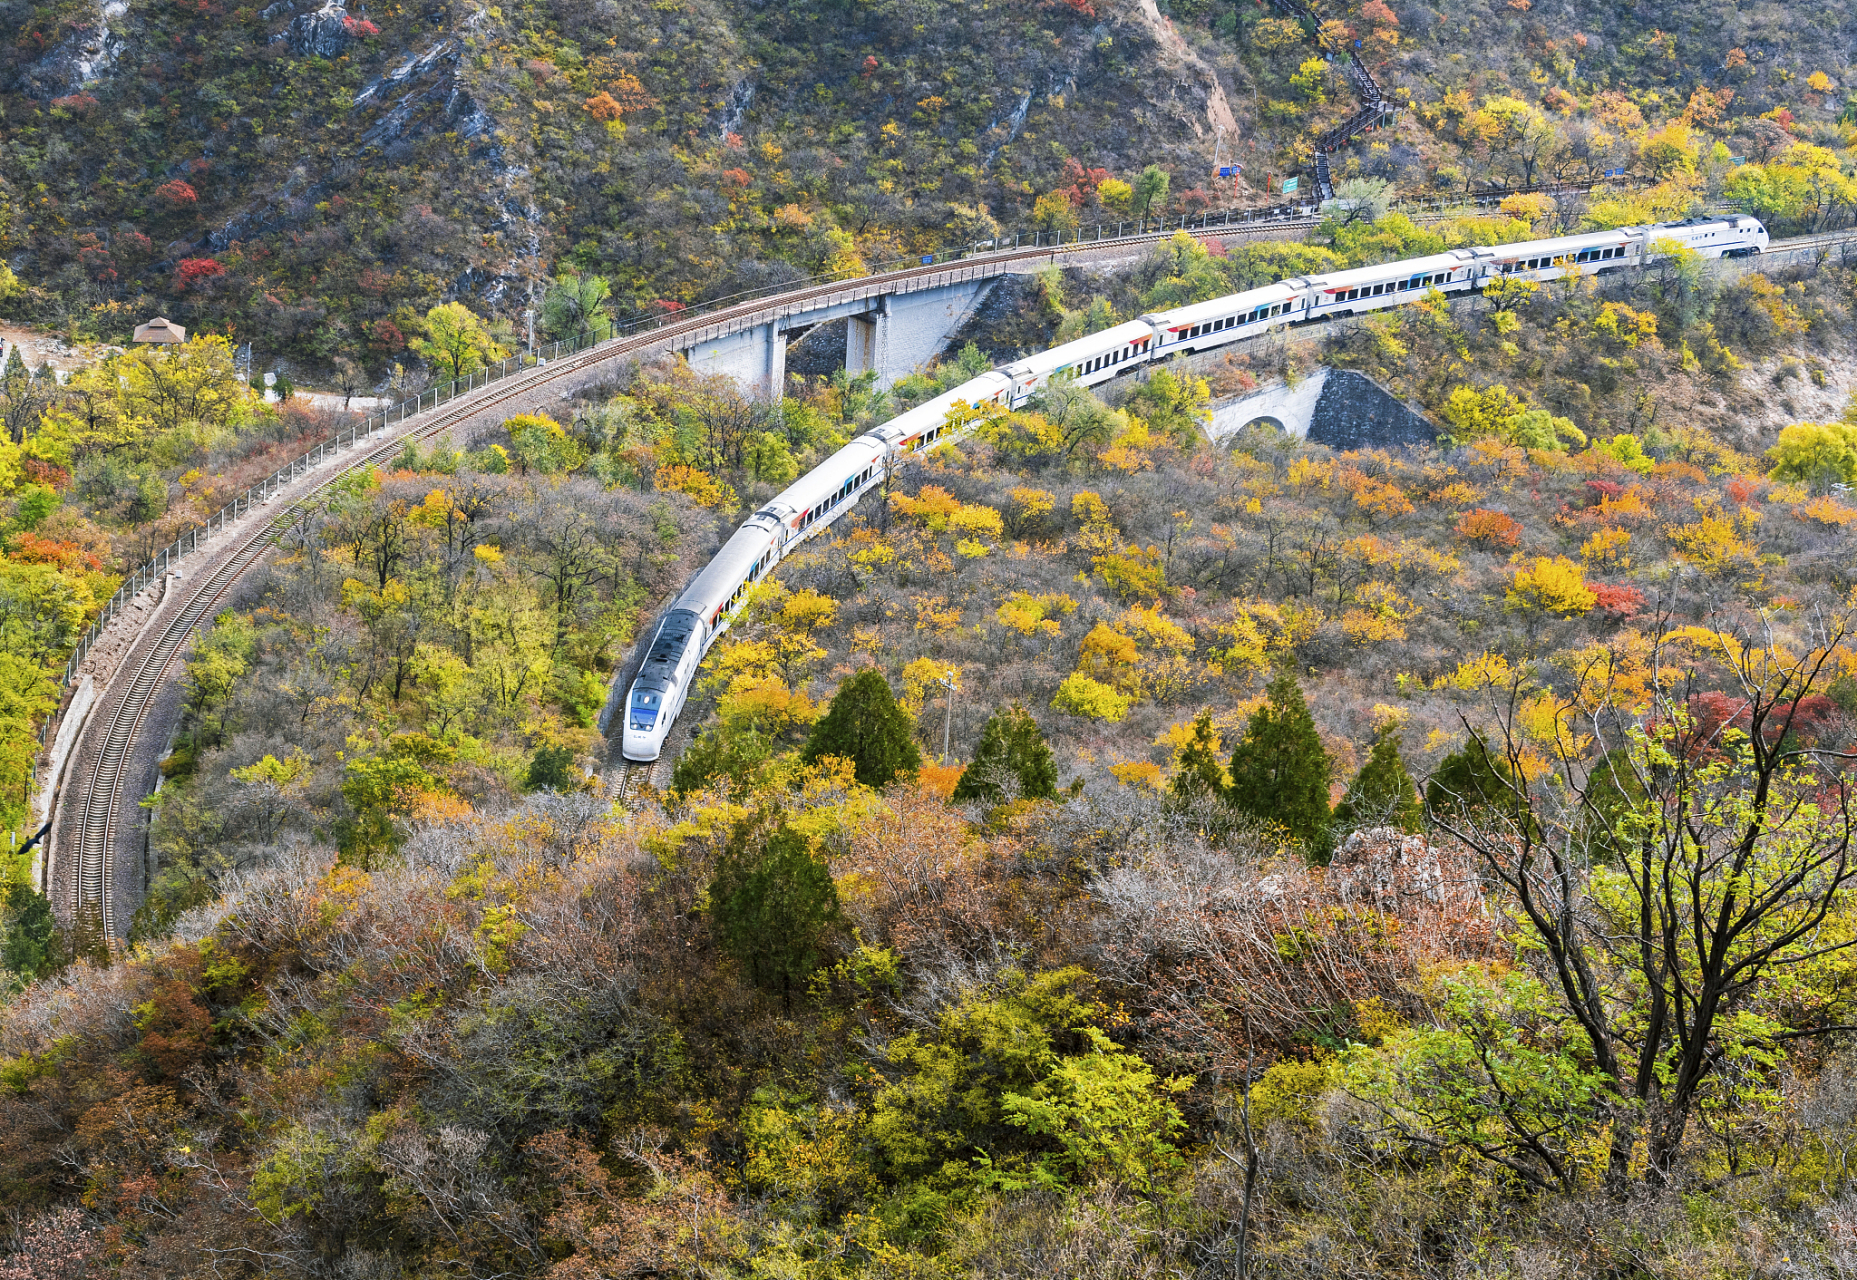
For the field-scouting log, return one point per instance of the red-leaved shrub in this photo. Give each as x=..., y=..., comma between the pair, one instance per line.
x=193, y=270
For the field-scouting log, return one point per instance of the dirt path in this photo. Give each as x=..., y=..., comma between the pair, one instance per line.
x=36, y=347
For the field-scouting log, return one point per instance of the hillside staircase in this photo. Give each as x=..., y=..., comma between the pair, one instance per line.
x=1375, y=112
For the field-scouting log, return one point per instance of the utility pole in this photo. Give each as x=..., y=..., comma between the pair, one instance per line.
x=947, y=725
x=529, y=315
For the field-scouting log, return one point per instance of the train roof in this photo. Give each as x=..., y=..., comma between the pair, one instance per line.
x=1228, y=304
x=668, y=644
x=932, y=413
x=1059, y=358
x=719, y=578
x=1405, y=268
x=825, y=479
x=1560, y=246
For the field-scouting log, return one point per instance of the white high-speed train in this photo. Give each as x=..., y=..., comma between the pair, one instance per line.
x=806, y=507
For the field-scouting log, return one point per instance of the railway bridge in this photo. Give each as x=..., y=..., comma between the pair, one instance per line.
x=892, y=327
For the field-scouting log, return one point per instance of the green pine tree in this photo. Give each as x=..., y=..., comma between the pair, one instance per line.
x=1469, y=781
x=1279, y=770
x=1200, y=774
x=865, y=725
x=773, y=905
x=1614, y=790
x=1382, y=793
x=1012, y=753
x=722, y=754
x=552, y=768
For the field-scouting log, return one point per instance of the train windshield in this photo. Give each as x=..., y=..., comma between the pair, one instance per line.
x=645, y=708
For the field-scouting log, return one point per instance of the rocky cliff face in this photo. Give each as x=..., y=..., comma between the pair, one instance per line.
x=347, y=165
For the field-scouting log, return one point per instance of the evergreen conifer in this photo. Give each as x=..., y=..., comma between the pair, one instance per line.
x=722, y=753
x=28, y=934
x=552, y=768
x=772, y=904
x=1012, y=750
x=1382, y=793
x=1279, y=770
x=1199, y=774
x=1469, y=780
x=865, y=725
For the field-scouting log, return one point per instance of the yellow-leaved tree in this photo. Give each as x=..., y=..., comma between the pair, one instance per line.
x=1556, y=586
x=456, y=342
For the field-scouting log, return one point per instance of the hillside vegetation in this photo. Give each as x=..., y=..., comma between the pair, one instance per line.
x=314, y=182
x=1418, y=863
x=1413, y=863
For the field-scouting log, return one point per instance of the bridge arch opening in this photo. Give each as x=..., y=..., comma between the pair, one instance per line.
x=819, y=351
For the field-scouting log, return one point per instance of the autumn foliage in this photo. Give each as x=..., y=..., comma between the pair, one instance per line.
x=1492, y=529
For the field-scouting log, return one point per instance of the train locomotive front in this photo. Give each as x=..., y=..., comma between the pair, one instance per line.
x=663, y=681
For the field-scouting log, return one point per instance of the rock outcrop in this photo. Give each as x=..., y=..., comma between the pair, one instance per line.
x=1406, y=876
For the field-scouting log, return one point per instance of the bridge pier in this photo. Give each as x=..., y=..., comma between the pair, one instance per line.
x=756, y=357
x=867, y=342
x=890, y=334
x=907, y=330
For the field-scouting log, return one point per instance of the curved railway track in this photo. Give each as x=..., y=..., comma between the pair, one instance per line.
x=134, y=687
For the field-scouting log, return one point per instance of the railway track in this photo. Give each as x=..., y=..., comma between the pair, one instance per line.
x=139, y=682
x=635, y=784
x=132, y=691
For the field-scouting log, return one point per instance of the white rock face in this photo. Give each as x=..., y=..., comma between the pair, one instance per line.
x=84, y=59
x=1403, y=875
x=323, y=33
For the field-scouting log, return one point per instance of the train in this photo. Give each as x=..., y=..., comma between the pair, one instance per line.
x=811, y=504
